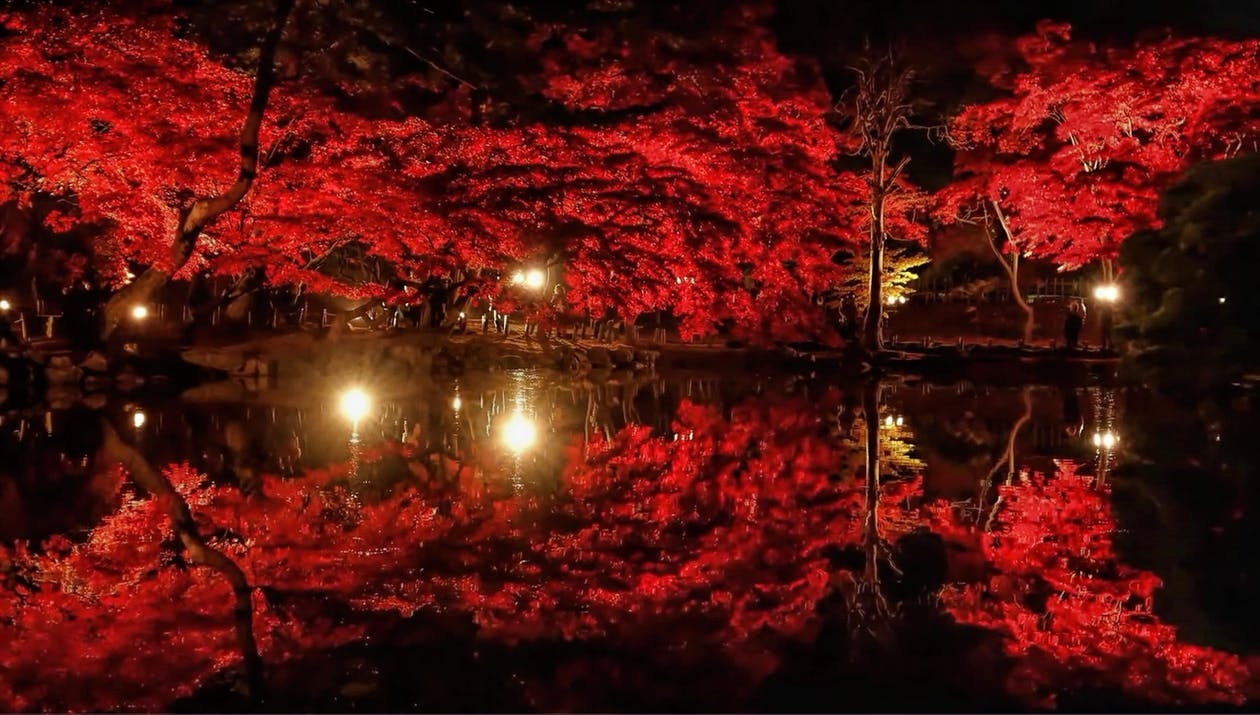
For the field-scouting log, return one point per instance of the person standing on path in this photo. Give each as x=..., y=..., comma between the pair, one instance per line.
x=1072, y=323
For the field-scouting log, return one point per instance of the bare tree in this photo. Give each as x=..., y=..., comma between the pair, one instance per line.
x=197, y=216
x=875, y=110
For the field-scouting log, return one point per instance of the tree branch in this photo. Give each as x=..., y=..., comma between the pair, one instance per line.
x=156, y=484
x=195, y=218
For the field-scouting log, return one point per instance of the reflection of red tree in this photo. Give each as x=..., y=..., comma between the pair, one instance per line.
x=1072, y=615
x=723, y=538
x=717, y=540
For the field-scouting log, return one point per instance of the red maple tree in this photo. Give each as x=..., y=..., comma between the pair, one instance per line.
x=1070, y=157
x=705, y=191
x=1070, y=613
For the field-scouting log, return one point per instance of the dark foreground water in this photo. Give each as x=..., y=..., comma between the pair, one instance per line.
x=529, y=542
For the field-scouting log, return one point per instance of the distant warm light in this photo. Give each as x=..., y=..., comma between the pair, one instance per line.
x=1107, y=293
x=535, y=279
x=461, y=315
x=6, y=305
x=137, y=419
x=900, y=421
x=892, y=300
x=1106, y=440
x=888, y=421
x=901, y=299
x=518, y=278
x=139, y=312
x=457, y=403
x=519, y=433
x=355, y=403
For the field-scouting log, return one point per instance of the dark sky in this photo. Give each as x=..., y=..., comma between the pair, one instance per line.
x=928, y=19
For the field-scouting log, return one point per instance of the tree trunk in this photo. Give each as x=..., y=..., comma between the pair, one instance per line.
x=1012, y=272
x=872, y=339
x=870, y=530
x=199, y=552
x=194, y=219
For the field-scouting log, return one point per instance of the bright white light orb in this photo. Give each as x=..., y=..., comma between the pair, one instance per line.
x=355, y=403
x=1106, y=440
x=519, y=433
x=900, y=421
x=137, y=419
x=535, y=279
x=6, y=305
x=456, y=403
x=518, y=278
x=892, y=300
x=1107, y=293
x=888, y=421
x=901, y=299
x=139, y=312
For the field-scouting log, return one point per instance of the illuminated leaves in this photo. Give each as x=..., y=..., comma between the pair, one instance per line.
x=1087, y=136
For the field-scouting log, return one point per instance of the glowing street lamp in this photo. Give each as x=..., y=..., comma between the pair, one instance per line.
x=518, y=278
x=5, y=305
x=535, y=279
x=1107, y=293
x=457, y=403
x=138, y=419
x=139, y=312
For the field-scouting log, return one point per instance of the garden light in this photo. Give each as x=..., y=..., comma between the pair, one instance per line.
x=139, y=312
x=535, y=279
x=1107, y=293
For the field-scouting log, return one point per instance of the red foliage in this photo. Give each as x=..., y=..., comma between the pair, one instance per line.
x=706, y=189
x=1070, y=613
x=716, y=537
x=1083, y=138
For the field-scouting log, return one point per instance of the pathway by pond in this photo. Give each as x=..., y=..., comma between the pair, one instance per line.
x=533, y=541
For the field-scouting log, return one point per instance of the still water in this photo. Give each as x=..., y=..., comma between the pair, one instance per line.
x=533, y=542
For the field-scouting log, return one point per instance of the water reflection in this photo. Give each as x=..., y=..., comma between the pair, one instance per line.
x=641, y=543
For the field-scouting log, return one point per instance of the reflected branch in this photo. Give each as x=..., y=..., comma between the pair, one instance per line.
x=1007, y=458
x=151, y=480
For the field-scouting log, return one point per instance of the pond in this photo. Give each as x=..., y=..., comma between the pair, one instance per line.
x=529, y=541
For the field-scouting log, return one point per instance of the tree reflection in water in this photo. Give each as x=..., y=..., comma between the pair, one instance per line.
x=652, y=545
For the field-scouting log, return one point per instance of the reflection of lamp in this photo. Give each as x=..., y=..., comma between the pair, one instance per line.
x=518, y=278
x=139, y=312
x=519, y=433
x=456, y=403
x=1107, y=293
x=355, y=403
x=1106, y=440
